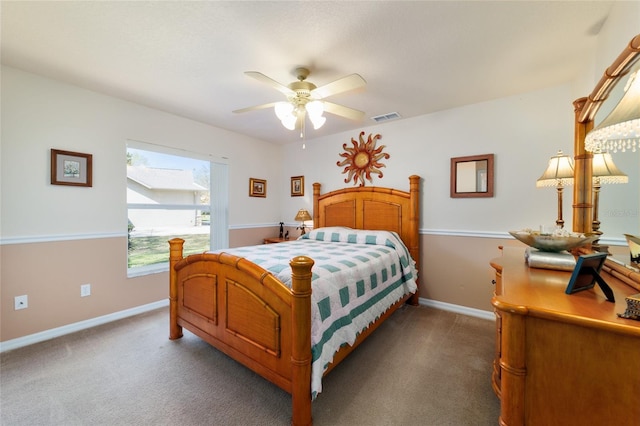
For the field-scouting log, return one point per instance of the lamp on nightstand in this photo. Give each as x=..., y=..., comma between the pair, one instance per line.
x=301, y=217
x=559, y=173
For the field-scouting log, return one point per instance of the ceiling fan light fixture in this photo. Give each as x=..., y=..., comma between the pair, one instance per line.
x=289, y=122
x=317, y=121
x=283, y=110
x=305, y=98
x=315, y=108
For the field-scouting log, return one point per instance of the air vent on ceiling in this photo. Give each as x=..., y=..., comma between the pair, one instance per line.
x=386, y=117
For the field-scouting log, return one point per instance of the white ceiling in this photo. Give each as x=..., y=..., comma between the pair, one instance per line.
x=189, y=58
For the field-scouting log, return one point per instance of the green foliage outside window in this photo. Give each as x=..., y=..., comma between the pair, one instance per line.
x=145, y=251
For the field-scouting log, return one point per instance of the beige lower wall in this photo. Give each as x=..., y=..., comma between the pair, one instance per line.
x=454, y=270
x=252, y=236
x=51, y=273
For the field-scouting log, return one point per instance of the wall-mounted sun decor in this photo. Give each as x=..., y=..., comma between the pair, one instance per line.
x=362, y=160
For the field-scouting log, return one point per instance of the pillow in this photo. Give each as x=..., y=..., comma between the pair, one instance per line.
x=342, y=234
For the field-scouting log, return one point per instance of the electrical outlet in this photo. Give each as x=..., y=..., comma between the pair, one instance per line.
x=21, y=302
x=85, y=290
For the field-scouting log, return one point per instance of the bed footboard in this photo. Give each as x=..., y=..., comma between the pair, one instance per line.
x=247, y=313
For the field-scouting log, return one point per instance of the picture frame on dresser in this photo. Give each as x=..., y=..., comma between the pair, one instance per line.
x=586, y=275
x=71, y=168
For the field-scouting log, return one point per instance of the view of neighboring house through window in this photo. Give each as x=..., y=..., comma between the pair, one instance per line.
x=168, y=196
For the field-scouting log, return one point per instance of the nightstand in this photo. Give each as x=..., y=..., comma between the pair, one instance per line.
x=274, y=240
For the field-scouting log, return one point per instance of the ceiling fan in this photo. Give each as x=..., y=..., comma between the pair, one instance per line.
x=305, y=98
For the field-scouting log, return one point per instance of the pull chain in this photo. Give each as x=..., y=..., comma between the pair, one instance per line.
x=303, y=135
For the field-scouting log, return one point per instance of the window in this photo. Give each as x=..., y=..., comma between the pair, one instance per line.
x=171, y=194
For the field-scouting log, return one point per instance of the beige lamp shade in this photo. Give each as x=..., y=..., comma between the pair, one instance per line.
x=559, y=174
x=605, y=171
x=559, y=171
x=620, y=130
x=302, y=215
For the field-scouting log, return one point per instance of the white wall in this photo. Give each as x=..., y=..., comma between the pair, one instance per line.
x=523, y=132
x=39, y=114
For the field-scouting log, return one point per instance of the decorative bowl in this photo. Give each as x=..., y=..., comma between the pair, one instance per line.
x=553, y=243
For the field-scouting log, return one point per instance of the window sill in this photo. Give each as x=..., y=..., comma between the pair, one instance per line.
x=140, y=271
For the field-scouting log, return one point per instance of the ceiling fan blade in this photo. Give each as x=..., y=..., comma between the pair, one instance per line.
x=350, y=113
x=350, y=82
x=254, y=108
x=271, y=82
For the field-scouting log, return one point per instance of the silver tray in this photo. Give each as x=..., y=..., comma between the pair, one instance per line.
x=547, y=242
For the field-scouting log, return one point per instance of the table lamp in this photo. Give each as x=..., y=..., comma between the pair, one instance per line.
x=301, y=217
x=604, y=171
x=559, y=173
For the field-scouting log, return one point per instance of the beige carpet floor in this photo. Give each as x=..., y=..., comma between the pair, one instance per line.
x=421, y=367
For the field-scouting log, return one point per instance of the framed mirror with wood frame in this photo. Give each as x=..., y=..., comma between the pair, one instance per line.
x=585, y=110
x=472, y=176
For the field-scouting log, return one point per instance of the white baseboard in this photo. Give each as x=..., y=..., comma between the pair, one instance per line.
x=82, y=325
x=479, y=313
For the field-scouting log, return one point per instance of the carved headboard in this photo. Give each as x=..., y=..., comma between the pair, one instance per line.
x=374, y=208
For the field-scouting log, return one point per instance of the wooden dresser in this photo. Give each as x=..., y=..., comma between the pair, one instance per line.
x=562, y=359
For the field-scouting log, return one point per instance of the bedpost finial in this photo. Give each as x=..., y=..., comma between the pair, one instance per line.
x=175, y=248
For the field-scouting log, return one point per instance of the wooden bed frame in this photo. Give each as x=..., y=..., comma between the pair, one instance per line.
x=247, y=313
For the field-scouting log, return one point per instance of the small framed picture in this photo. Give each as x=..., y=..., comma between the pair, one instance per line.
x=257, y=187
x=71, y=168
x=586, y=275
x=297, y=186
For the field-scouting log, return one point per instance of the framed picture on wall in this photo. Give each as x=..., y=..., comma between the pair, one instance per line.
x=257, y=187
x=71, y=168
x=297, y=186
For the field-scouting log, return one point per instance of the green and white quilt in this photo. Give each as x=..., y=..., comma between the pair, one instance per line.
x=357, y=276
